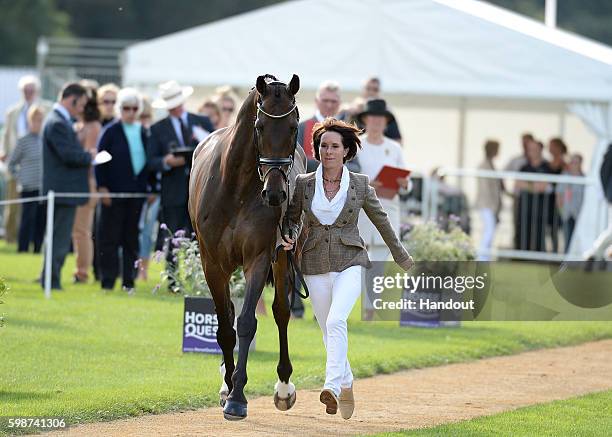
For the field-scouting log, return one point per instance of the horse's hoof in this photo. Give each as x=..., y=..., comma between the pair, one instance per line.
x=234, y=410
x=223, y=398
x=285, y=404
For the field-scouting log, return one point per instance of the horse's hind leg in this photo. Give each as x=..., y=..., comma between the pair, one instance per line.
x=256, y=274
x=284, y=390
x=218, y=283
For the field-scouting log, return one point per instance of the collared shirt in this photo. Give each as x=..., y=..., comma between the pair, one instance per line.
x=319, y=116
x=177, y=127
x=133, y=133
x=327, y=211
x=22, y=120
x=63, y=112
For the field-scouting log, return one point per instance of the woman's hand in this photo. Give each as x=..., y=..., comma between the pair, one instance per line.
x=407, y=264
x=287, y=243
x=106, y=201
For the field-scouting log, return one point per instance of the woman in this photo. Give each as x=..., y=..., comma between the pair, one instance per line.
x=333, y=254
x=25, y=165
x=488, y=201
x=212, y=111
x=126, y=141
x=88, y=131
x=558, y=164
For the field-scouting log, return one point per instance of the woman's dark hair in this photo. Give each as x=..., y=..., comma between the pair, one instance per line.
x=491, y=148
x=559, y=143
x=348, y=132
x=91, y=112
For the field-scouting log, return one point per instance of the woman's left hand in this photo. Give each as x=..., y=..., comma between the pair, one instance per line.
x=287, y=243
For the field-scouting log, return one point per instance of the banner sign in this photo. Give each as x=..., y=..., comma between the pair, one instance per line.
x=200, y=326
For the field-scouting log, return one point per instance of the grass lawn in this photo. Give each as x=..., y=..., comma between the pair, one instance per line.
x=89, y=356
x=589, y=415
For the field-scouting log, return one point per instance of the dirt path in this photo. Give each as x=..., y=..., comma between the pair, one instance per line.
x=409, y=399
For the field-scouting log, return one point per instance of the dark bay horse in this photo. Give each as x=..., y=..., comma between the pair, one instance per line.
x=238, y=190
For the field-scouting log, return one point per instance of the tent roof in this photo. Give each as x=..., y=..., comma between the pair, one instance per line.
x=430, y=47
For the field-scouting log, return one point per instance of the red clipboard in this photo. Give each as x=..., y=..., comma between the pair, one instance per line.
x=388, y=177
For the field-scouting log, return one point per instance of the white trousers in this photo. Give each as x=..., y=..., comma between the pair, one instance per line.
x=333, y=296
x=488, y=233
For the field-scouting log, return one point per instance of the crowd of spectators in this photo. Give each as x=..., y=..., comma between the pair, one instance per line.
x=56, y=147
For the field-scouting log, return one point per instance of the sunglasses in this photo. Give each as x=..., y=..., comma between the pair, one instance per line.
x=129, y=108
x=109, y=102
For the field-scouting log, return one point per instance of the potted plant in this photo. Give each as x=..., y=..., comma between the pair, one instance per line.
x=437, y=252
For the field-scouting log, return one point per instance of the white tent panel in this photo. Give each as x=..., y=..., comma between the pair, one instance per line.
x=466, y=48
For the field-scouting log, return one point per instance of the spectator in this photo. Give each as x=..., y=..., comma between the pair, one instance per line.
x=179, y=130
x=25, y=166
x=150, y=210
x=226, y=99
x=126, y=140
x=371, y=90
x=376, y=152
x=88, y=131
x=600, y=249
x=569, y=198
x=488, y=200
x=558, y=164
x=107, y=99
x=65, y=169
x=212, y=111
x=516, y=163
x=327, y=101
x=16, y=126
x=532, y=203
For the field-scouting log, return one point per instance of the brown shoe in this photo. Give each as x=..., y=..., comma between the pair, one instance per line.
x=329, y=398
x=346, y=402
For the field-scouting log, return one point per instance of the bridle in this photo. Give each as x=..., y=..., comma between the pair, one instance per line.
x=274, y=163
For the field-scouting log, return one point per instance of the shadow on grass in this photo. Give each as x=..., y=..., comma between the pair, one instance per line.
x=6, y=396
x=15, y=321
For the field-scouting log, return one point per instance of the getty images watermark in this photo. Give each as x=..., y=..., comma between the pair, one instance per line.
x=480, y=291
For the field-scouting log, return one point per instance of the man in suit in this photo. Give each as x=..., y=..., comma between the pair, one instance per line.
x=65, y=169
x=173, y=140
x=16, y=126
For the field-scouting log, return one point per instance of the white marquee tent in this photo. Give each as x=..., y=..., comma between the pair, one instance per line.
x=461, y=48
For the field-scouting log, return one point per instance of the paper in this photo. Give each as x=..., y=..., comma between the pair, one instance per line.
x=102, y=158
x=199, y=132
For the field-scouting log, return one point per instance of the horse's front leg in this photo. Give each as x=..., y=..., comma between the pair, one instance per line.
x=256, y=274
x=284, y=390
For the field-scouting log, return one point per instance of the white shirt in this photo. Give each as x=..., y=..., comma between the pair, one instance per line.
x=22, y=120
x=373, y=157
x=63, y=112
x=327, y=211
x=177, y=127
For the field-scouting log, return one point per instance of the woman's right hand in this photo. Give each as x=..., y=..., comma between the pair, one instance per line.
x=106, y=201
x=287, y=243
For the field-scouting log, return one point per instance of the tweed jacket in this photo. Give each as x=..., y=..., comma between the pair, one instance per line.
x=335, y=247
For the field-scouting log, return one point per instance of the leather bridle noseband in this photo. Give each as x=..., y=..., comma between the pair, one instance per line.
x=274, y=163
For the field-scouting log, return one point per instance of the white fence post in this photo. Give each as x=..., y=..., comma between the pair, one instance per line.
x=49, y=242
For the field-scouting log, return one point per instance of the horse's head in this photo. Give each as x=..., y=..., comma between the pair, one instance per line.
x=276, y=127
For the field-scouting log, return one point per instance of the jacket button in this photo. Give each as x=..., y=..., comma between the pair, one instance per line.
x=327, y=228
x=350, y=210
x=344, y=222
x=305, y=197
x=353, y=187
x=327, y=240
x=353, y=198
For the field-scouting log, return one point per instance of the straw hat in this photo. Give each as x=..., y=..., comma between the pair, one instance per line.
x=171, y=95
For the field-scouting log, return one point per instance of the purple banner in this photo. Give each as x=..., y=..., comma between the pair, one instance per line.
x=200, y=326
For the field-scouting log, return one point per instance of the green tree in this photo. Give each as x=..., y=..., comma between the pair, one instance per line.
x=22, y=22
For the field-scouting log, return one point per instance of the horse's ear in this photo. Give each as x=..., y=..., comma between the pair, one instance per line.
x=294, y=85
x=261, y=85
